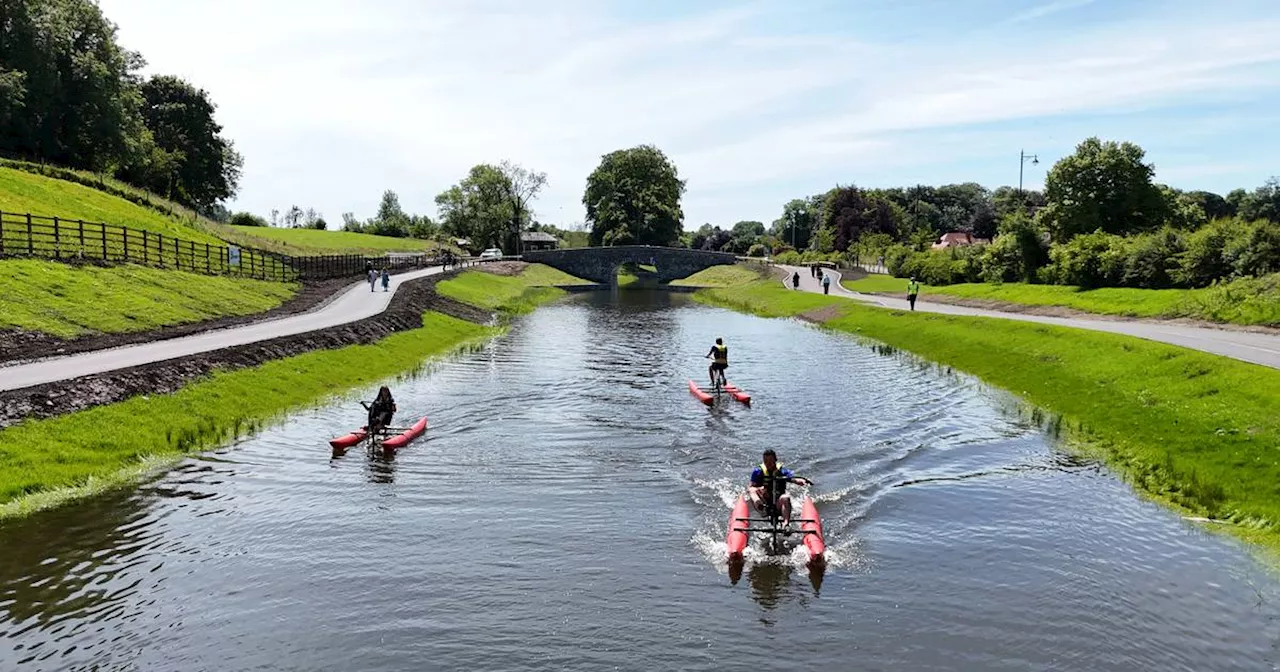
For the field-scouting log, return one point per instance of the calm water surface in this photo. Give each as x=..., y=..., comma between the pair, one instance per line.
x=566, y=510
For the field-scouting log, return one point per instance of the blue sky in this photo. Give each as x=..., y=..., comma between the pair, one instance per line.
x=756, y=102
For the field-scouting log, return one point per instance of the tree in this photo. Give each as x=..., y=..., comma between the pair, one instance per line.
x=799, y=217
x=479, y=207
x=633, y=198
x=1212, y=205
x=246, y=219
x=1009, y=200
x=851, y=213
x=391, y=219
x=189, y=162
x=69, y=91
x=293, y=217
x=350, y=223
x=1263, y=202
x=522, y=186
x=744, y=235
x=1102, y=186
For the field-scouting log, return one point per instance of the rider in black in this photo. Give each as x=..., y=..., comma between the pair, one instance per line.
x=381, y=410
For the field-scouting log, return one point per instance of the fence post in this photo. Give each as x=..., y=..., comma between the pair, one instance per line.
x=103, y=226
x=177, y=256
x=124, y=236
x=57, y=239
x=31, y=250
x=1, y=233
x=207, y=270
x=80, y=228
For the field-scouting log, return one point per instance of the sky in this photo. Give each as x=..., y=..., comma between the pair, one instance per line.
x=332, y=102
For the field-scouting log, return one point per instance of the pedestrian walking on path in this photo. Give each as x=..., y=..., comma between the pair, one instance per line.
x=373, y=280
x=386, y=279
x=826, y=283
x=795, y=280
x=913, y=289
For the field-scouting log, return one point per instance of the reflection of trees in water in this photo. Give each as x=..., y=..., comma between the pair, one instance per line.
x=651, y=329
x=51, y=558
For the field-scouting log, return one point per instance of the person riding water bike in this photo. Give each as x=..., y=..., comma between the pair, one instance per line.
x=719, y=356
x=772, y=477
x=381, y=410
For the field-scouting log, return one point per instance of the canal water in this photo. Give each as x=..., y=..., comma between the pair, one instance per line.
x=567, y=507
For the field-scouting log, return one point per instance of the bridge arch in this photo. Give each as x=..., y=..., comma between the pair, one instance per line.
x=600, y=264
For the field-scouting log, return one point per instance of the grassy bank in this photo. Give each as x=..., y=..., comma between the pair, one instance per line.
x=1195, y=430
x=519, y=293
x=314, y=241
x=69, y=301
x=1249, y=301
x=45, y=463
x=720, y=276
x=22, y=192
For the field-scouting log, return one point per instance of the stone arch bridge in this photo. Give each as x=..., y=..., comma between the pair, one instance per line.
x=600, y=264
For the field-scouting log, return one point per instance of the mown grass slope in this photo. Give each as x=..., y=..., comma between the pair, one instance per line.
x=315, y=241
x=69, y=301
x=22, y=192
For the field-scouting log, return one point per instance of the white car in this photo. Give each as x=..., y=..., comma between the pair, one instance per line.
x=491, y=253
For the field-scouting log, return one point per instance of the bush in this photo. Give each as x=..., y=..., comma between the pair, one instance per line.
x=757, y=250
x=246, y=219
x=1202, y=261
x=1091, y=260
x=789, y=257
x=1152, y=260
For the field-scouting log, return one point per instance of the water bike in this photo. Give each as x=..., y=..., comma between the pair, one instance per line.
x=708, y=395
x=388, y=438
x=742, y=523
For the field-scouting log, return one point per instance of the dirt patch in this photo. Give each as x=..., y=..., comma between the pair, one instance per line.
x=404, y=313
x=502, y=267
x=20, y=345
x=823, y=314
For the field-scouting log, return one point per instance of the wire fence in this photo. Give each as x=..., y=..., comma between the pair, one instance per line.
x=28, y=235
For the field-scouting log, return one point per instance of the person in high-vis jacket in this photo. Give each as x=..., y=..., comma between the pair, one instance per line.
x=719, y=356
x=913, y=288
x=770, y=479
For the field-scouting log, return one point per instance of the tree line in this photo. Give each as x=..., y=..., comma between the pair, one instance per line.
x=71, y=95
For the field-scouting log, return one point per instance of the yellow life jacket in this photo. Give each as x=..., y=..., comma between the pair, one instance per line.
x=778, y=486
x=913, y=288
x=722, y=354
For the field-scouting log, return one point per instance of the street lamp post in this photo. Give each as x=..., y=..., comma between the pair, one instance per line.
x=1022, y=161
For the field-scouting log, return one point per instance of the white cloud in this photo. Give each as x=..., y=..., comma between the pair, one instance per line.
x=336, y=103
x=1047, y=9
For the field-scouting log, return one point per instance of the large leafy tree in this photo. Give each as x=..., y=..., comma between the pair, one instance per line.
x=798, y=220
x=68, y=93
x=1102, y=186
x=479, y=207
x=522, y=186
x=1263, y=202
x=633, y=198
x=191, y=162
x=850, y=213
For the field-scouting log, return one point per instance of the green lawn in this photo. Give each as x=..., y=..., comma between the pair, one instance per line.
x=46, y=463
x=514, y=294
x=1195, y=430
x=1248, y=301
x=719, y=276
x=313, y=241
x=22, y=192
x=69, y=301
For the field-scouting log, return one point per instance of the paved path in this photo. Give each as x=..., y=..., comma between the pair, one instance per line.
x=1252, y=347
x=354, y=304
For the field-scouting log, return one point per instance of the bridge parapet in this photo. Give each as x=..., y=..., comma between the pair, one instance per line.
x=600, y=264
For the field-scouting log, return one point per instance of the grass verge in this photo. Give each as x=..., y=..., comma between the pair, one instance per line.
x=69, y=301
x=23, y=192
x=314, y=241
x=46, y=463
x=1247, y=301
x=512, y=294
x=1197, y=431
x=719, y=276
